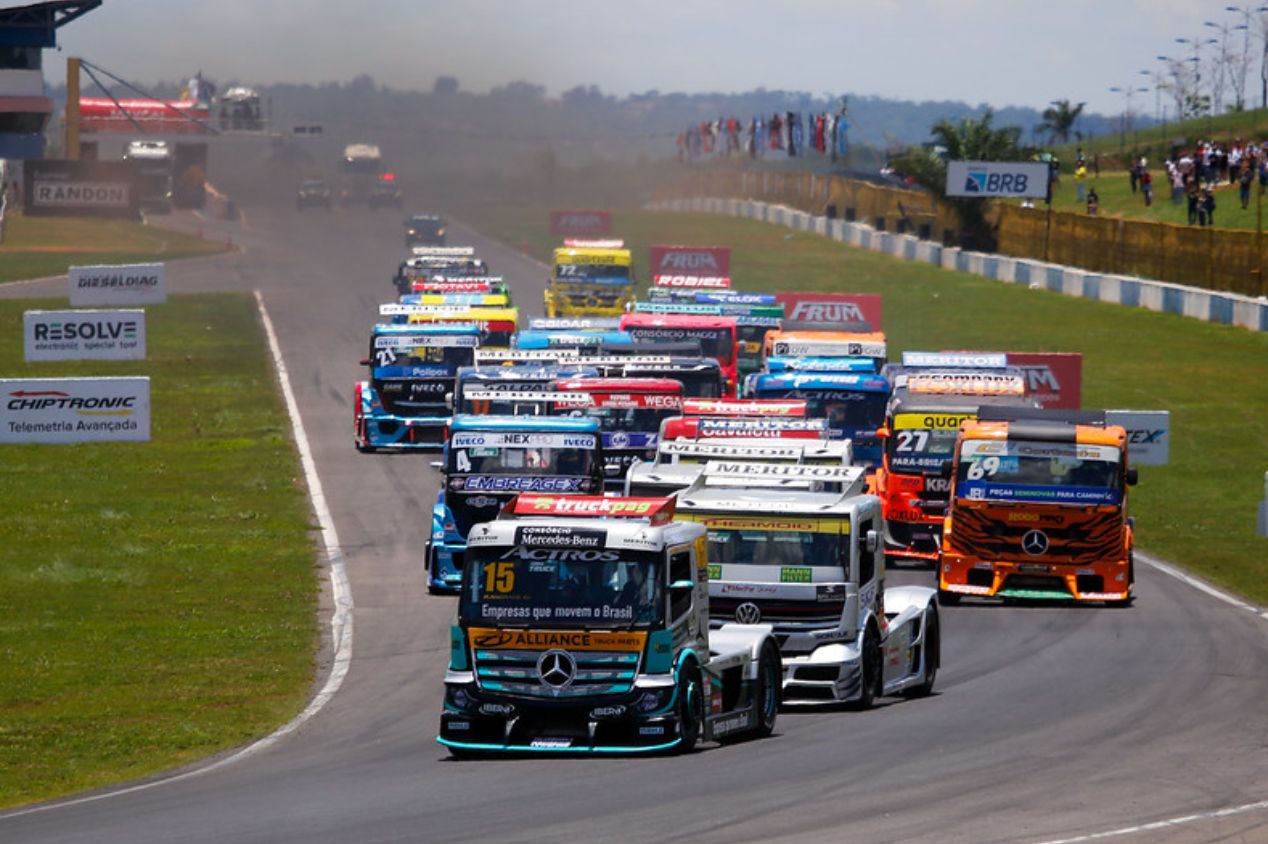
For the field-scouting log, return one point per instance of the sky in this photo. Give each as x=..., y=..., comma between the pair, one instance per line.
x=998, y=52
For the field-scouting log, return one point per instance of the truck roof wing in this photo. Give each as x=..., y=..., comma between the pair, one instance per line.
x=744, y=407
x=447, y=251
x=955, y=360
x=740, y=470
x=582, y=243
x=997, y=413
x=658, y=511
x=486, y=357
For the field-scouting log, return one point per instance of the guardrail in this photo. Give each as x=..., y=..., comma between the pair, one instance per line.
x=1210, y=306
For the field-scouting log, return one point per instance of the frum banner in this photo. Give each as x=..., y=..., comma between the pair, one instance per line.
x=74, y=410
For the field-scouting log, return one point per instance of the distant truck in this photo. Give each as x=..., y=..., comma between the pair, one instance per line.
x=156, y=167
x=358, y=173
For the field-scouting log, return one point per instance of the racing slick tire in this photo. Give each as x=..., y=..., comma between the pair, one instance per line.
x=766, y=695
x=429, y=555
x=931, y=653
x=690, y=708
x=948, y=599
x=871, y=666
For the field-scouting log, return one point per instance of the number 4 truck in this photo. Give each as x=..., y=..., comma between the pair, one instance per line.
x=583, y=626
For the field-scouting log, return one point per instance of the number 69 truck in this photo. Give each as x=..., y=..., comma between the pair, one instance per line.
x=583, y=626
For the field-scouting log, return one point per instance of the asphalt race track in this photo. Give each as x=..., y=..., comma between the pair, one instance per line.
x=1049, y=723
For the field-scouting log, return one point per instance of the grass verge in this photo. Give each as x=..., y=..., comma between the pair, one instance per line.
x=36, y=247
x=1199, y=511
x=157, y=600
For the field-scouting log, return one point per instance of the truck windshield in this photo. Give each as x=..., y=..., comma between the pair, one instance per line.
x=556, y=587
x=521, y=453
x=794, y=542
x=640, y=420
x=410, y=356
x=587, y=273
x=1054, y=473
x=921, y=442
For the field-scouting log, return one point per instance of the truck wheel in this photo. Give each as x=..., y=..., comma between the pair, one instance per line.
x=948, y=599
x=690, y=709
x=931, y=651
x=429, y=570
x=871, y=668
x=767, y=694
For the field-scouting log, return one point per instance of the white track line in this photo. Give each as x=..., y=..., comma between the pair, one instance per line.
x=1200, y=585
x=1167, y=824
x=340, y=621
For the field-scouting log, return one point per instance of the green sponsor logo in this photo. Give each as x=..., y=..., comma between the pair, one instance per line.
x=715, y=571
x=795, y=575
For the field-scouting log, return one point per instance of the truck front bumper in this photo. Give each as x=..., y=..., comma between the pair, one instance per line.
x=829, y=674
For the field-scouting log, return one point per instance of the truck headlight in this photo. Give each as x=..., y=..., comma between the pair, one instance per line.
x=653, y=699
x=456, y=697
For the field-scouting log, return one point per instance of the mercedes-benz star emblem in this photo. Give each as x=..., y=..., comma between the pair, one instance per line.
x=748, y=613
x=556, y=668
x=1034, y=543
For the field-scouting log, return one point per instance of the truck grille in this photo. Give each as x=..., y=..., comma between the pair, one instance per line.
x=985, y=535
x=515, y=672
x=795, y=614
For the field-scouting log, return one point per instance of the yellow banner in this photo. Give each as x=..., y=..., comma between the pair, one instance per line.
x=929, y=421
x=790, y=524
x=489, y=638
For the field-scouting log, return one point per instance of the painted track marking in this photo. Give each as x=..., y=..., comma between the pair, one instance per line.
x=1167, y=824
x=341, y=594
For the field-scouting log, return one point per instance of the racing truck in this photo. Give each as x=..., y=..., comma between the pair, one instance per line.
x=853, y=404
x=583, y=627
x=1038, y=508
x=922, y=420
x=590, y=278
x=358, y=173
x=412, y=368
x=488, y=460
x=477, y=389
x=680, y=463
x=156, y=169
x=808, y=561
x=756, y=315
x=497, y=324
x=716, y=335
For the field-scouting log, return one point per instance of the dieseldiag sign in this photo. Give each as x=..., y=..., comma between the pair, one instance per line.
x=118, y=284
x=84, y=335
x=74, y=410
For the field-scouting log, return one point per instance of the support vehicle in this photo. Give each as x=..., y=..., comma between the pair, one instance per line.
x=1038, y=508
x=424, y=230
x=488, y=460
x=809, y=562
x=583, y=627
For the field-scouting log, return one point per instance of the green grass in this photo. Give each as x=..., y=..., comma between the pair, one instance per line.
x=1199, y=511
x=36, y=247
x=157, y=600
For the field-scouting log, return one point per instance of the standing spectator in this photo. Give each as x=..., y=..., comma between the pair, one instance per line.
x=1147, y=185
x=1093, y=202
x=1208, y=207
x=1133, y=174
x=1177, y=185
x=1080, y=177
x=1244, y=181
x=1194, y=195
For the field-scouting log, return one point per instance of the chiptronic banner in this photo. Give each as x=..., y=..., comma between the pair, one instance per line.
x=118, y=284
x=84, y=335
x=74, y=410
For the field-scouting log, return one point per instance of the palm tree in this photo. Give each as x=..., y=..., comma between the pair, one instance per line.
x=1059, y=120
x=970, y=140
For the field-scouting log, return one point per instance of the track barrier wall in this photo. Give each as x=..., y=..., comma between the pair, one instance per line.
x=1223, y=307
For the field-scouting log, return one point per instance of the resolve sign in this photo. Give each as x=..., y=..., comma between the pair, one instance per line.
x=118, y=284
x=84, y=335
x=74, y=410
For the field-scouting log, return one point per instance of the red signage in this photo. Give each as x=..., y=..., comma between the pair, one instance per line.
x=1054, y=378
x=831, y=311
x=744, y=407
x=690, y=282
x=171, y=117
x=690, y=260
x=580, y=222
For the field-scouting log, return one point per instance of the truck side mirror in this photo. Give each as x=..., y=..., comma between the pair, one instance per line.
x=449, y=401
x=883, y=433
x=437, y=464
x=681, y=585
x=944, y=471
x=1131, y=477
x=364, y=361
x=872, y=541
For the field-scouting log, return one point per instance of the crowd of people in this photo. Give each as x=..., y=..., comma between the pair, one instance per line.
x=788, y=133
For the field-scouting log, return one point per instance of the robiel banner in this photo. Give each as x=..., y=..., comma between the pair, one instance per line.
x=118, y=284
x=84, y=335
x=74, y=410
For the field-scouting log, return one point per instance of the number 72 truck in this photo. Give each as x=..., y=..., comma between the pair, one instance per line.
x=583, y=627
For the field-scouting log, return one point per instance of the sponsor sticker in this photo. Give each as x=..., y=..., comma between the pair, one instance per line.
x=522, y=439
x=491, y=639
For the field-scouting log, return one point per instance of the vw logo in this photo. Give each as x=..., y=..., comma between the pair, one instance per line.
x=1034, y=543
x=557, y=669
x=748, y=613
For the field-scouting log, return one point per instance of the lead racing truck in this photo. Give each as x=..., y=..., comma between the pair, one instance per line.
x=799, y=547
x=583, y=627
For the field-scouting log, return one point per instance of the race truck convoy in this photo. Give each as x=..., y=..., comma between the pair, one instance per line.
x=809, y=562
x=488, y=460
x=590, y=278
x=583, y=627
x=1038, y=508
x=412, y=369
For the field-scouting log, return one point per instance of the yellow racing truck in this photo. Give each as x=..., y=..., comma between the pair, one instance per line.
x=590, y=278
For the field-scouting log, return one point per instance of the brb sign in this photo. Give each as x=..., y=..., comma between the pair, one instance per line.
x=580, y=222
x=690, y=260
x=997, y=178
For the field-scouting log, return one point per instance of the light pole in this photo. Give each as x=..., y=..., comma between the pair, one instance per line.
x=1128, y=92
x=1222, y=62
x=1197, y=44
x=1159, y=82
x=1248, y=13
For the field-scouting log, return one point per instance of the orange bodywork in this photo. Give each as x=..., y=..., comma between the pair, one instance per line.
x=1035, y=549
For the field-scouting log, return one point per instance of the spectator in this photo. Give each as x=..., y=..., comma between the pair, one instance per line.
x=1208, y=207
x=1093, y=202
x=1147, y=185
x=1080, y=178
x=1133, y=174
x=1244, y=182
x=1194, y=194
x=1177, y=185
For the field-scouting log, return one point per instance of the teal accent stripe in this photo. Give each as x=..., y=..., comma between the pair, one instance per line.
x=502, y=748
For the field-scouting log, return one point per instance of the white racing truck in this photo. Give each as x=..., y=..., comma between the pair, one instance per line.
x=679, y=463
x=809, y=562
x=583, y=626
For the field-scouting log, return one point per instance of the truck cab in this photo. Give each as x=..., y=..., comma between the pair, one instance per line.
x=488, y=382
x=716, y=335
x=404, y=404
x=583, y=627
x=590, y=281
x=853, y=404
x=1038, y=508
x=488, y=460
x=798, y=547
x=156, y=169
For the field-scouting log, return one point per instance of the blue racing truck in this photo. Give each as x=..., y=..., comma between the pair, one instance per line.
x=490, y=459
x=853, y=403
x=412, y=368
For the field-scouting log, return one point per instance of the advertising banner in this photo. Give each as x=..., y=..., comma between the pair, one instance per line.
x=831, y=311
x=1148, y=435
x=118, y=284
x=580, y=222
x=1054, y=378
x=81, y=188
x=997, y=178
x=84, y=335
x=74, y=410
x=711, y=282
x=690, y=260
